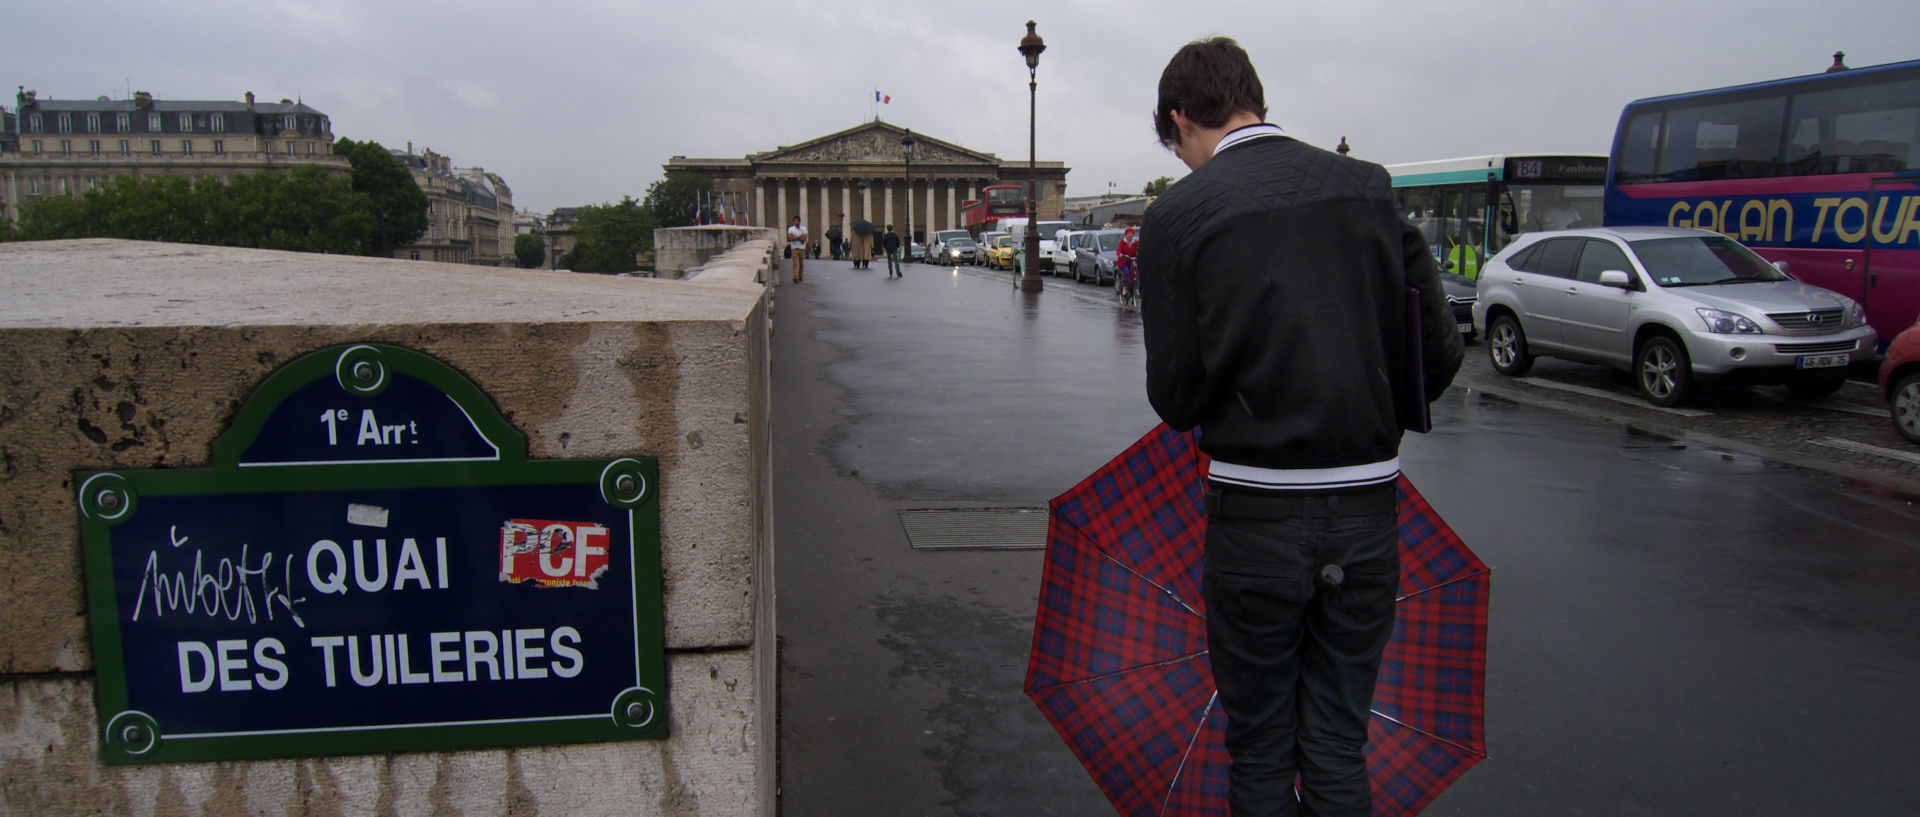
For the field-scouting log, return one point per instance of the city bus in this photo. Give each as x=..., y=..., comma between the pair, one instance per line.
x=997, y=201
x=1819, y=172
x=1454, y=200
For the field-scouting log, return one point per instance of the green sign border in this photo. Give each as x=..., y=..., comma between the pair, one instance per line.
x=108, y=498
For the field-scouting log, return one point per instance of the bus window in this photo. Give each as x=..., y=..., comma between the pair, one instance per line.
x=1732, y=140
x=1855, y=130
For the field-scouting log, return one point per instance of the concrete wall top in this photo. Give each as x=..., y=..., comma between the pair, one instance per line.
x=110, y=282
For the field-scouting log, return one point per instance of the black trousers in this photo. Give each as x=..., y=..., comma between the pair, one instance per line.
x=1300, y=602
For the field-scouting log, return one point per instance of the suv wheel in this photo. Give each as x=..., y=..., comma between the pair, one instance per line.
x=1663, y=372
x=1906, y=407
x=1507, y=346
x=1814, y=387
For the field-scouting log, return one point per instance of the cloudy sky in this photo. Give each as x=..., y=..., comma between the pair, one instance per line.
x=581, y=101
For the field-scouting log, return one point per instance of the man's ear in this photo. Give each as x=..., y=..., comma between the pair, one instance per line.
x=1181, y=123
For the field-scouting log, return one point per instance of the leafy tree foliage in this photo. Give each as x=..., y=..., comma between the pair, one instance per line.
x=673, y=199
x=610, y=236
x=307, y=210
x=399, y=206
x=1158, y=186
x=530, y=249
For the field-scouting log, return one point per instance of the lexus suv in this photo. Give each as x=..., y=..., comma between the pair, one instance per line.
x=1669, y=305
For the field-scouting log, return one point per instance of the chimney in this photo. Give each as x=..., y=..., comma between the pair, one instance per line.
x=26, y=98
x=1343, y=148
x=249, y=100
x=1837, y=65
x=142, y=100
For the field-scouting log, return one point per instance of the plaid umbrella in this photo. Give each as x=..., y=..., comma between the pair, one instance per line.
x=1119, y=662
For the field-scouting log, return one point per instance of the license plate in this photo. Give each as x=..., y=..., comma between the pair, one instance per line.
x=1465, y=326
x=1822, y=361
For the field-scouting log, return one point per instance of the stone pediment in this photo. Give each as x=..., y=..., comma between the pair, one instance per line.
x=877, y=143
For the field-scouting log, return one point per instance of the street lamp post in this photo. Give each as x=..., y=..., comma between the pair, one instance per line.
x=1030, y=48
x=906, y=146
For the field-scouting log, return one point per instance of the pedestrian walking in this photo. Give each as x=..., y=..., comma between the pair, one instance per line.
x=861, y=247
x=797, y=247
x=1274, y=282
x=834, y=237
x=890, y=244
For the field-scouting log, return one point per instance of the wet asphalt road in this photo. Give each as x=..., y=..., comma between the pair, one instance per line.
x=1677, y=627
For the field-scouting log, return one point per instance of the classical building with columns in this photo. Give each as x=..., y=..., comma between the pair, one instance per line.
x=862, y=172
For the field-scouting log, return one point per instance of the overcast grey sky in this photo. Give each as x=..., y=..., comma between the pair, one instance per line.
x=581, y=101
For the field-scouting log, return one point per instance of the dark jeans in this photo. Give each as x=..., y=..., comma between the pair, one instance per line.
x=1300, y=593
x=893, y=263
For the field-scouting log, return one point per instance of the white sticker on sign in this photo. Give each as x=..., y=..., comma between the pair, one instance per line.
x=372, y=516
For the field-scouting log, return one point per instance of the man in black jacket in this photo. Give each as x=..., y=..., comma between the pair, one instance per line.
x=1274, y=281
x=890, y=244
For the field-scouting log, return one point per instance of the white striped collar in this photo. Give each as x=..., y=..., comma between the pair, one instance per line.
x=1246, y=134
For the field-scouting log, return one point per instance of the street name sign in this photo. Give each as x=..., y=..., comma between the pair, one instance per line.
x=372, y=564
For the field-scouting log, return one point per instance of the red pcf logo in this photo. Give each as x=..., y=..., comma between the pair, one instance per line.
x=552, y=553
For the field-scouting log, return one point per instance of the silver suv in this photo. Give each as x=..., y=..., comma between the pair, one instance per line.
x=1668, y=305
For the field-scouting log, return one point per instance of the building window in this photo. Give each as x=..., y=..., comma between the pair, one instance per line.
x=289, y=147
x=155, y=145
x=66, y=146
x=290, y=122
x=33, y=186
x=66, y=123
x=93, y=146
x=93, y=123
x=219, y=123
x=125, y=147
x=90, y=183
x=219, y=146
x=186, y=146
x=63, y=186
x=153, y=123
x=310, y=149
x=33, y=123
x=186, y=123
x=36, y=146
x=122, y=122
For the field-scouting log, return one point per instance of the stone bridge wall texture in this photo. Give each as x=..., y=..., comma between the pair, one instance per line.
x=130, y=355
x=679, y=249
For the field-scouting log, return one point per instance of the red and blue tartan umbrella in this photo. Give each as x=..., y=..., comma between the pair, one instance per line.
x=1120, y=667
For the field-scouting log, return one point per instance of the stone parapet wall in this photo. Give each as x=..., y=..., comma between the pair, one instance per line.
x=679, y=249
x=131, y=355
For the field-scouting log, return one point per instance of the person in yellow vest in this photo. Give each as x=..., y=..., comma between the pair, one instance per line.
x=1462, y=258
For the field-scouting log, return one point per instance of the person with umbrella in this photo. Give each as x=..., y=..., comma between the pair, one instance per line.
x=1290, y=379
x=862, y=245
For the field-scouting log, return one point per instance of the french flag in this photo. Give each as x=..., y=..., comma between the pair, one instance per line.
x=884, y=99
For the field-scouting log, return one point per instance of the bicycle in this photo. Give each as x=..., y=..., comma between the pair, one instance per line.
x=1127, y=283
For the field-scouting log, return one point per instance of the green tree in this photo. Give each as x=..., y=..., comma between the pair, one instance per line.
x=530, y=249
x=1158, y=186
x=672, y=200
x=611, y=236
x=307, y=210
x=399, y=207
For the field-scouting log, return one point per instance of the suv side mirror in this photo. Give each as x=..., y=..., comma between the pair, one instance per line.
x=1616, y=278
x=1782, y=267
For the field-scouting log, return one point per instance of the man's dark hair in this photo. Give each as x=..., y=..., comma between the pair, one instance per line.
x=1207, y=81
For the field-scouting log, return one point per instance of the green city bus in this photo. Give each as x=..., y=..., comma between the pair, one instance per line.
x=1453, y=201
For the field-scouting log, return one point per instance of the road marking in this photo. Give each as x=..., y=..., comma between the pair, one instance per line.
x=1863, y=448
x=1831, y=404
x=1615, y=396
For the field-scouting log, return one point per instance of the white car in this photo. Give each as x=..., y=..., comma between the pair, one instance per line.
x=1669, y=305
x=1062, y=252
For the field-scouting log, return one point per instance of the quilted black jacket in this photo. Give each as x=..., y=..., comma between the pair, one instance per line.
x=1272, y=291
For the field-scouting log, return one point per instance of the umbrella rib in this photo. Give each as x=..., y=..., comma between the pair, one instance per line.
x=1188, y=754
x=1484, y=571
x=1418, y=731
x=1151, y=583
x=1119, y=673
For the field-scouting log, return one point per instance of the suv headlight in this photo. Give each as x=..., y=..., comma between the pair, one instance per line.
x=1722, y=322
x=1856, y=315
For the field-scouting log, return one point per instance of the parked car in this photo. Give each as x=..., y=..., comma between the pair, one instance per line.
x=1671, y=306
x=950, y=246
x=1062, y=254
x=1900, y=381
x=1000, y=252
x=986, y=243
x=916, y=251
x=1095, y=256
x=1462, y=292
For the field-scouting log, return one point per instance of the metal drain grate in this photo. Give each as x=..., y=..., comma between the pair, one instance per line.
x=976, y=528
